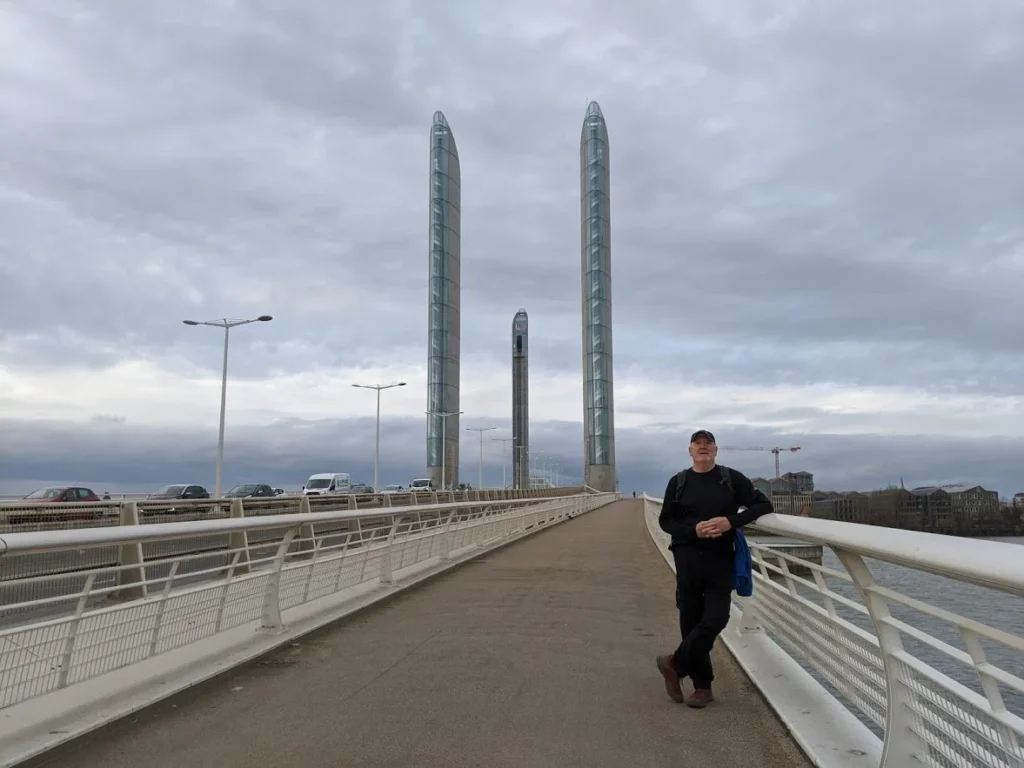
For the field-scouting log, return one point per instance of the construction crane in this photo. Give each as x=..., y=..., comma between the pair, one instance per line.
x=775, y=450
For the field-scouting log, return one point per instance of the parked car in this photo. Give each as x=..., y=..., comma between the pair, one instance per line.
x=58, y=495
x=252, y=491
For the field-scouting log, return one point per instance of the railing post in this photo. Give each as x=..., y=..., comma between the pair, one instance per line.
x=131, y=555
x=306, y=536
x=69, y=641
x=902, y=746
x=386, y=566
x=446, y=545
x=272, y=593
x=238, y=541
x=154, y=640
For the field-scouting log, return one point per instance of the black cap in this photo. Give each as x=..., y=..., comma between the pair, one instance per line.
x=702, y=433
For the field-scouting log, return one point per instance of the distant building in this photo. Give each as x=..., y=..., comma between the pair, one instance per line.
x=893, y=508
x=800, y=482
x=1018, y=501
x=973, y=507
x=934, y=509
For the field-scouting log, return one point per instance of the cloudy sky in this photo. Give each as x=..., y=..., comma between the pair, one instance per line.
x=817, y=228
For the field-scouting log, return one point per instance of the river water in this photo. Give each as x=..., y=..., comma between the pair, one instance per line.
x=997, y=610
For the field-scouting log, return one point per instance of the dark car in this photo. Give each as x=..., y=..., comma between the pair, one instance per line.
x=252, y=491
x=58, y=495
x=182, y=491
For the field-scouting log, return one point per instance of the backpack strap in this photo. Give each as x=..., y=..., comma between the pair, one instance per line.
x=680, y=482
x=727, y=478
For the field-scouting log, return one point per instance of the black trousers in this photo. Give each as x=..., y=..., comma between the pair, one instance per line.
x=704, y=583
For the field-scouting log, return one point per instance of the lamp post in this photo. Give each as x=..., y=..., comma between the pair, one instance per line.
x=227, y=324
x=444, y=427
x=376, y=450
x=504, y=447
x=480, y=467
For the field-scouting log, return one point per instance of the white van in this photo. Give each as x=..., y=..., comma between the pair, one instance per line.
x=422, y=485
x=327, y=482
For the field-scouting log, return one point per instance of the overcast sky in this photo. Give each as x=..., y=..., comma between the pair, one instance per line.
x=817, y=221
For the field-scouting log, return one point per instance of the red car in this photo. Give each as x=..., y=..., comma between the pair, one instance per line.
x=57, y=495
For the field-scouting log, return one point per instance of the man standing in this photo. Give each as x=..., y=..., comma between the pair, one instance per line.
x=701, y=513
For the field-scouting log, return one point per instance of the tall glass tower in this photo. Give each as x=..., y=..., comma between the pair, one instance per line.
x=521, y=400
x=595, y=229
x=443, y=323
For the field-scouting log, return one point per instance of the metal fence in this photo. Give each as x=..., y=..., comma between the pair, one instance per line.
x=945, y=690
x=160, y=593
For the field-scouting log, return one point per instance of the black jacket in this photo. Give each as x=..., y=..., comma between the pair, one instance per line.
x=705, y=496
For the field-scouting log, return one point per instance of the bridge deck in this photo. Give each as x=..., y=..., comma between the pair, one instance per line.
x=539, y=654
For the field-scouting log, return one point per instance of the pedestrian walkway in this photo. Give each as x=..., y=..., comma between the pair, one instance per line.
x=539, y=654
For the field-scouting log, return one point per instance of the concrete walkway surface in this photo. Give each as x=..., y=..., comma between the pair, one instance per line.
x=538, y=654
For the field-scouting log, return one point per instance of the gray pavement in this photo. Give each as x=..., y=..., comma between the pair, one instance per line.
x=539, y=654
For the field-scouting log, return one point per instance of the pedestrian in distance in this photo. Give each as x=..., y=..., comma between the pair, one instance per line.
x=701, y=511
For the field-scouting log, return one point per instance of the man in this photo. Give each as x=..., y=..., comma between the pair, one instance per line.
x=702, y=519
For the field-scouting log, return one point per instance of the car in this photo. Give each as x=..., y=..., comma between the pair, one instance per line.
x=175, y=491
x=252, y=491
x=70, y=494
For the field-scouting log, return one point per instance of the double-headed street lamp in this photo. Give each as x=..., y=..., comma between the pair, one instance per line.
x=480, y=469
x=376, y=451
x=227, y=324
x=444, y=427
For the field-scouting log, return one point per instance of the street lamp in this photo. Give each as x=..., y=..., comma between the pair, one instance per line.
x=444, y=426
x=480, y=469
x=227, y=324
x=504, y=447
x=376, y=451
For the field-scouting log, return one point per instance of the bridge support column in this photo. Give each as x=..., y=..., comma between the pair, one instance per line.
x=131, y=581
x=902, y=747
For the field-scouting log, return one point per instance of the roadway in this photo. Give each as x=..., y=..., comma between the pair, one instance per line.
x=538, y=654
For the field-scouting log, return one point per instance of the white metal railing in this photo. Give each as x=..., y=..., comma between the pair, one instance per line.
x=124, y=613
x=962, y=706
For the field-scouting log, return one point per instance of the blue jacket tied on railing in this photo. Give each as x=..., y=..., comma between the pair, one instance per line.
x=743, y=580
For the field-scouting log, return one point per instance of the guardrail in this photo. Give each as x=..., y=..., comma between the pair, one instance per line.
x=891, y=657
x=143, y=606
x=20, y=518
x=19, y=512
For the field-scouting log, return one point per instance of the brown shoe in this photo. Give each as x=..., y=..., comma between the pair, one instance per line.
x=672, y=686
x=700, y=698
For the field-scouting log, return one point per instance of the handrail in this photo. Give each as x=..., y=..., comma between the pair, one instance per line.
x=929, y=715
x=74, y=538
x=985, y=563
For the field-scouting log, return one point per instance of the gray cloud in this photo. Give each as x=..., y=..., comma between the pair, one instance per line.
x=800, y=194
x=124, y=458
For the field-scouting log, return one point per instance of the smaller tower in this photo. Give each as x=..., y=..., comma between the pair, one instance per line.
x=520, y=400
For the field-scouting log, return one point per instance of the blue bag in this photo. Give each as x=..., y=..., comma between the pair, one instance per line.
x=743, y=580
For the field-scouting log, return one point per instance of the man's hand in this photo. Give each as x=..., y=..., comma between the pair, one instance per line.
x=713, y=528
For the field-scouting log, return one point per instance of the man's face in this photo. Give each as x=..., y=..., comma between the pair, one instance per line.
x=703, y=449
